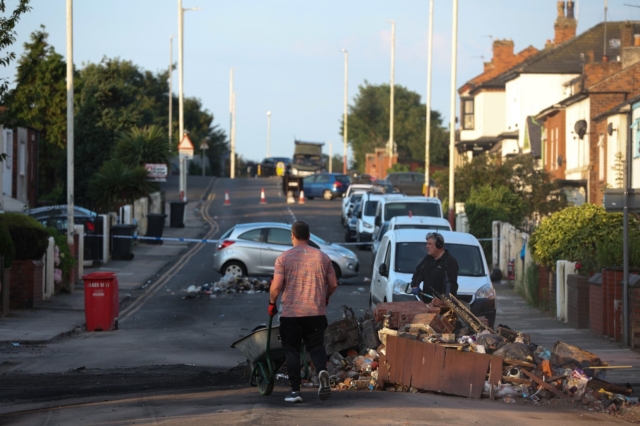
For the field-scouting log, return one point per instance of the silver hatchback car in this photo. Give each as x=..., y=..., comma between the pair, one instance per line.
x=251, y=249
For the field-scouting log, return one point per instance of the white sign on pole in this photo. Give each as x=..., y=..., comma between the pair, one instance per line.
x=185, y=147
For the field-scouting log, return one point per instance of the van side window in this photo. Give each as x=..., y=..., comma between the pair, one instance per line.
x=387, y=256
x=382, y=251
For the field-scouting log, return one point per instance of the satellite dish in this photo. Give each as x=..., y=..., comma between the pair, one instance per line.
x=610, y=129
x=560, y=160
x=581, y=128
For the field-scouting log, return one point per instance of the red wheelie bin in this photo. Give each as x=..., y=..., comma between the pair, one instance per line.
x=101, y=301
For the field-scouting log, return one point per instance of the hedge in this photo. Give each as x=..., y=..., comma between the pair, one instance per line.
x=30, y=238
x=7, y=249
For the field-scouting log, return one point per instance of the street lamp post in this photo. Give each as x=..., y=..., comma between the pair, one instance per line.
x=452, y=115
x=392, y=87
x=183, y=162
x=346, y=116
x=427, y=144
x=268, y=133
x=70, y=163
x=330, y=157
x=170, y=87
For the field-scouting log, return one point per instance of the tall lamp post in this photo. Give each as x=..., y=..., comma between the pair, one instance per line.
x=427, y=143
x=452, y=115
x=268, y=133
x=346, y=116
x=392, y=87
x=170, y=87
x=70, y=163
x=183, y=162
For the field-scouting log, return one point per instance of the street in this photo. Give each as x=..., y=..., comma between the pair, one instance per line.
x=171, y=358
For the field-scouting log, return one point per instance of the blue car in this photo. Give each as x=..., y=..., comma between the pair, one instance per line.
x=326, y=185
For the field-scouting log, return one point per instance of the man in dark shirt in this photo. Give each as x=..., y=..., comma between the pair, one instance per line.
x=438, y=270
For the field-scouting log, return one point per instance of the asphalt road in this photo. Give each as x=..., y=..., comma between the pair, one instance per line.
x=170, y=360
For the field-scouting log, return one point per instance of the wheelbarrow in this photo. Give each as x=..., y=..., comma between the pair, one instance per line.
x=263, y=349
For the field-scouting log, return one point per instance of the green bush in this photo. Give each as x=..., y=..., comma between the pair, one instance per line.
x=7, y=249
x=140, y=146
x=486, y=204
x=67, y=261
x=586, y=234
x=116, y=184
x=30, y=238
x=531, y=282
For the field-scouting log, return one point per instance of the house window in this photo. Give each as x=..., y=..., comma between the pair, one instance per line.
x=467, y=114
x=636, y=145
x=22, y=159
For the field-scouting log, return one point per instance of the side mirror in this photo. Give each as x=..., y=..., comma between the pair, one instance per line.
x=378, y=221
x=359, y=215
x=382, y=269
x=496, y=275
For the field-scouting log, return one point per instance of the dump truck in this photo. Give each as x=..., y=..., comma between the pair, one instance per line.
x=307, y=160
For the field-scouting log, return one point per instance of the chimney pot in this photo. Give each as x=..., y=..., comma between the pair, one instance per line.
x=636, y=40
x=605, y=58
x=560, y=9
x=570, y=7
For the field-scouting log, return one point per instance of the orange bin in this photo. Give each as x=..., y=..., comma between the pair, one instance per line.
x=101, y=301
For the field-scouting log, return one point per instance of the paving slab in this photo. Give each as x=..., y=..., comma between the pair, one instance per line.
x=546, y=330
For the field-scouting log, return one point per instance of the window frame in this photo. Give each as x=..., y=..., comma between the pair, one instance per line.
x=466, y=114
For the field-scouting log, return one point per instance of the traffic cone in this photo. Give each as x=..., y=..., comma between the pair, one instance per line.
x=227, y=202
x=263, y=200
x=301, y=199
x=290, y=199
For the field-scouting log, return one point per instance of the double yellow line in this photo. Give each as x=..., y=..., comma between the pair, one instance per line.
x=177, y=267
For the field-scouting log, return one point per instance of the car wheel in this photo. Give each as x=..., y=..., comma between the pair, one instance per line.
x=327, y=195
x=234, y=268
x=336, y=268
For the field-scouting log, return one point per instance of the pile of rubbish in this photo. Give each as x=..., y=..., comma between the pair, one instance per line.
x=443, y=347
x=229, y=284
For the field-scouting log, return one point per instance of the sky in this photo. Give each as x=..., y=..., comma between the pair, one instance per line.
x=287, y=53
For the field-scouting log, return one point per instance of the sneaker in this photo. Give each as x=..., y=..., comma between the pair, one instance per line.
x=294, y=397
x=324, y=391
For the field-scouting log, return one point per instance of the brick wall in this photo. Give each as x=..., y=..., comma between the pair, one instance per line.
x=612, y=303
x=596, y=317
x=4, y=295
x=25, y=283
x=634, y=317
x=578, y=301
x=547, y=288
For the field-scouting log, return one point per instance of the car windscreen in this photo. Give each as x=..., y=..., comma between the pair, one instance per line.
x=409, y=255
x=423, y=226
x=370, y=208
x=383, y=231
x=355, y=197
x=392, y=210
x=318, y=240
x=307, y=160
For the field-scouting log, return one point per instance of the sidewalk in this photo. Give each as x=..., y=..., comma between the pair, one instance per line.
x=59, y=316
x=546, y=331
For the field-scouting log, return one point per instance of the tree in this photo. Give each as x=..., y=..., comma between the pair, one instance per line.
x=39, y=101
x=369, y=125
x=140, y=146
x=116, y=184
x=8, y=37
x=540, y=195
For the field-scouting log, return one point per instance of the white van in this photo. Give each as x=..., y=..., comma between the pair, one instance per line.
x=403, y=249
x=405, y=206
x=408, y=222
x=365, y=216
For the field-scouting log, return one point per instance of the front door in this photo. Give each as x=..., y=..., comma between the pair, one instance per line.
x=7, y=148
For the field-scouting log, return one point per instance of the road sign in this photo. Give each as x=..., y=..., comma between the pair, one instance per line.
x=185, y=147
x=204, y=146
x=614, y=200
x=156, y=172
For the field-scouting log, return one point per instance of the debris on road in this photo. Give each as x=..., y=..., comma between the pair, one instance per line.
x=413, y=347
x=228, y=284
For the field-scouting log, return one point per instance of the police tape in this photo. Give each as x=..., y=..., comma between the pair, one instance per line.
x=137, y=237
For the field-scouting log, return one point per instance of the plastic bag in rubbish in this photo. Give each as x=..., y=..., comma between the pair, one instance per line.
x=491, y=342
x=517, y=351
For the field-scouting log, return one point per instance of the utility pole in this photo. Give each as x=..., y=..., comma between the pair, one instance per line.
x=330, y=158
x=70, y=146
x=170, y=88
x=452, y=114
x=232, y=160
x=268, y=133
x=181, y=97
x=231, y=114
x=392, y=87
x=427, y=144
x=346, y=115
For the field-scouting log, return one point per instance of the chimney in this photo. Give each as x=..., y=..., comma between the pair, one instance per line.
x=502, y=53
x=565, y=25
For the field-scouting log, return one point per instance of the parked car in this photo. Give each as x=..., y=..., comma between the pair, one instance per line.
x=410, y=183
x=366, y=215
x=326, y=185
x=352, y=188
x=407, y=222
x=251, y=249
x=348, y=207
x=269, y=165
x=402, y=250
x=386, y=186
x=56, y=217
x=352, y=223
